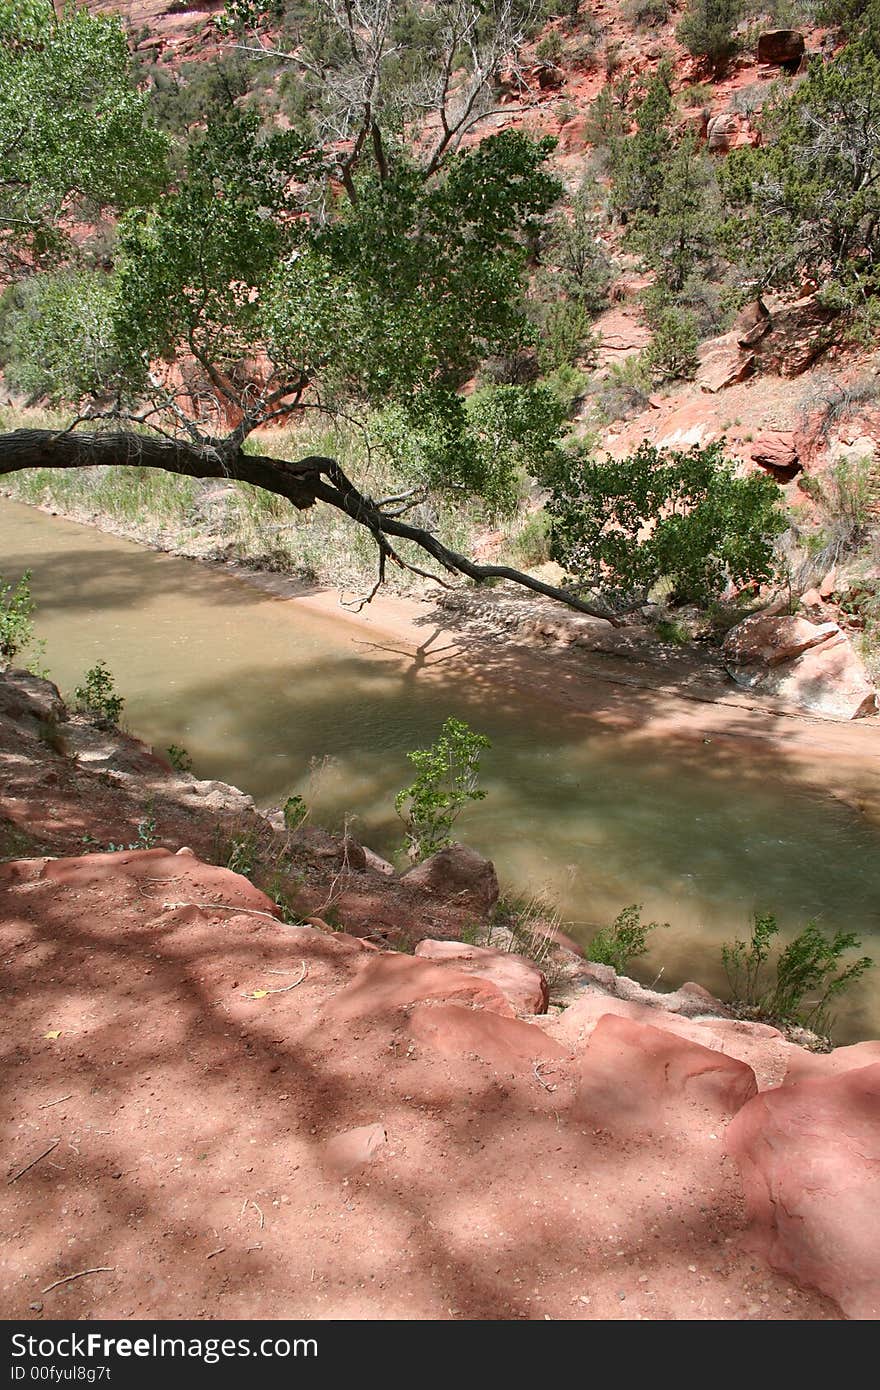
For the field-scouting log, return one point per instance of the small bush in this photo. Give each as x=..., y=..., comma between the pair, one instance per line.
x=810, y=965
x=446, y=782
x=707, y=29
x=179, y=759
x=624, y=941
x=97, y=697
x=295, y=812
x=672, y=352
x=16, y=616
x=646, y=14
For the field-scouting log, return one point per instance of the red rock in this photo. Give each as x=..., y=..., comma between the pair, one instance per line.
x=390, y=982
x=762, y=640
x=811, y=599
x=809, y=1155
x=638, y=1079
x=519, y=979
x=775, y=450
x=782, y=47
x=507, y=1044
x=722, y=363
x=457, y=875
x=828, y=587
x=807, y=1066
x=800, y=331
x=345, y=1153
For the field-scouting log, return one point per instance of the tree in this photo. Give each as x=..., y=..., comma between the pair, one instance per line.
x=637, y=158
x=620, y=526
x=74, y=138
x=347, y=278
x=806, y=205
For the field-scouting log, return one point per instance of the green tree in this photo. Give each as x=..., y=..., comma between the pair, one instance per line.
x=637, y=158
x=278, y=276
x=621, y=525
x=806, y=204
x=74, y=138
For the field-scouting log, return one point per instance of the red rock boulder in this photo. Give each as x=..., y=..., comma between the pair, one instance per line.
x=458, y=876
x=809, y=1155
x=518, y=978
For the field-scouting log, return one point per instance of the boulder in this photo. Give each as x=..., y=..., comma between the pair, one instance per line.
x=722, y=362
x=764, y=640
x=374, y=861
x=389, y=982
x=808, y=664
x=636, y=1079
x=800, y=330
x=518, y=978
x=775, y=451
x=809, y=1155
x=721, y=132
x=781, y=47
x=25, y=696
x=507, y=1044
x=457, y=875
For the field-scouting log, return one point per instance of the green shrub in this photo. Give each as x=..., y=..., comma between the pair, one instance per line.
x=295, y=812
x=810, y=965
x=646, y=14
x=446, y=782
x=707, y=29
x=624, y=941
x=97, y=697
x=672, y=352
x=179, y=759
x=16, y=616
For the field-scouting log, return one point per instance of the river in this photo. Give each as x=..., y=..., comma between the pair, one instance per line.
x=277, y=700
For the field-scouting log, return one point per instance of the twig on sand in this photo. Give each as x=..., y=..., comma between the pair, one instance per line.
x=215, y=1252
x=222, y=907
x=99, y=1269
x=34, y=1161
x=284, y=988
x=539, y=1078
x=50, y=1103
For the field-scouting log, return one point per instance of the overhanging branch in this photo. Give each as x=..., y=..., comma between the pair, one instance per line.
x=303, y=483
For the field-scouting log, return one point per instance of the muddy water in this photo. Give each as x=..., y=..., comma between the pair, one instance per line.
x=279, y=700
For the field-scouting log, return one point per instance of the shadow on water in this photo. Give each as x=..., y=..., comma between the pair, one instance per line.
x=276, y=700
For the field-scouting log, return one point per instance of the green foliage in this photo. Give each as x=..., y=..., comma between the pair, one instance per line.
x=646, y=14
x=16, y=616
x=638, y=159
x=98, y=698
x=707, y=29
x=73, y=127
x=446, y=782
x=295, y=812
x=679, y=235
x=671, y=354
x=179, y=759
x=806, y=204
x=59, y=336
x=624, y=941
x=810, y=965
x=620, y=526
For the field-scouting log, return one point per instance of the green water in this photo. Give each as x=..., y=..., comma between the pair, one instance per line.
x=276, y=700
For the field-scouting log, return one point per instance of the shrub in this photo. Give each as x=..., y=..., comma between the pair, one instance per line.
x=646, y=14
x=446, y=782
x=624, y=941
x=809, y=965
x=707, y=29
x=179, y=759
x=566, y=336
x=16, y=616
x=97, y=697
x=619, y=526
x=295, y=812
x=672, y=352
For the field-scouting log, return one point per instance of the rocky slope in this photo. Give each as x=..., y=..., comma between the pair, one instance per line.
x=373, y=1134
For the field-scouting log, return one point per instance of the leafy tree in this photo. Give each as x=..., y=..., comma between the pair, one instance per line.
x=280, y=275
x=16, y=616
x=679, y=235
x=806, y=204
x=621, y=525
x=707, y=29
x=74, y=139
